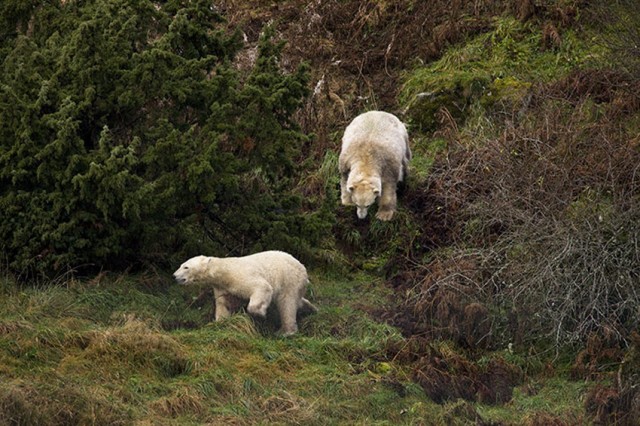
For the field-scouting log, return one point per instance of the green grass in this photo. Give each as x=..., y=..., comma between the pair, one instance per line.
x=97, y=353
x=555, y=396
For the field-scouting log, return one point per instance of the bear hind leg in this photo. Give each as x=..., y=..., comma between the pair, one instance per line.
x=288, y=309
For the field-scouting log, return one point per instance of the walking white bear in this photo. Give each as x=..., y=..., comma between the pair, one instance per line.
x=375, y=156
x=259, y=278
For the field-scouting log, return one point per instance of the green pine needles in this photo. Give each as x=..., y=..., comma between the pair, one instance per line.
x=128, y=137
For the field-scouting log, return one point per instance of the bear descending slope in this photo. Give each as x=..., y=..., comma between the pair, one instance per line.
x=261, y=278
x=375, y=156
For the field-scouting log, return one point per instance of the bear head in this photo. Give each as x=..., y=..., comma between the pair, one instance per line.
x=193, y=270
x=364, y=193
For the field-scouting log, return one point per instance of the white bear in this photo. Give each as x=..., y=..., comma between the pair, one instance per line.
x=259, y=278
x=375, y=156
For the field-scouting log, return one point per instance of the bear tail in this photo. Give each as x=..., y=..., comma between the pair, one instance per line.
x=306, y=307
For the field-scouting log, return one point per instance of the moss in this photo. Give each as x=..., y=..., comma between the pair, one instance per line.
x=590, y=205
x=508, y=89
x=495, y=67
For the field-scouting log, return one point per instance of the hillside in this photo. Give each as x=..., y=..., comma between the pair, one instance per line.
x=505, y=291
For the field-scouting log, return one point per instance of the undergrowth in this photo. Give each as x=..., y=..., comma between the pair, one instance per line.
x=538, y=194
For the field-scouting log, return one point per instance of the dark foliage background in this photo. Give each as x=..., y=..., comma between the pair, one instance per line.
x=128, y=136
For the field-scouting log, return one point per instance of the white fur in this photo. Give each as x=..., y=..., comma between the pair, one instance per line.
x=259, y=278
x=375, y=156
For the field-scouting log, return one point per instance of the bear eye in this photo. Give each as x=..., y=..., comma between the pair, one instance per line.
x=185, y=267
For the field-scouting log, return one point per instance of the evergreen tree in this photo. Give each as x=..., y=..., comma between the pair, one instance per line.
x=127, y=136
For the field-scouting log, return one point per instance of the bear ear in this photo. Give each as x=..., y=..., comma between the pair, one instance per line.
x=350, y=189
x=376, y=192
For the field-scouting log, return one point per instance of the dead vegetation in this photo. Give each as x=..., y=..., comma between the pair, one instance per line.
x=357, y=50
x=447, y=375
x=618, y=403
x=540, y=220
x=136, y=346
x=549, y=205
x=30, y=403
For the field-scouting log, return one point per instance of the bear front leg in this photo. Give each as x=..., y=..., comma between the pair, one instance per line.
x=344, y=169
x=345, y=196
x=260, y=299
x=222, y=305
x=387, y=205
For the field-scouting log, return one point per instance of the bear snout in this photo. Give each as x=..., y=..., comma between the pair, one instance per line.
x=362, y=212
x=179, y=279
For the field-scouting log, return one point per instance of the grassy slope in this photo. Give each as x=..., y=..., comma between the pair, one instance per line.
x=117, y=350
x=96, y=353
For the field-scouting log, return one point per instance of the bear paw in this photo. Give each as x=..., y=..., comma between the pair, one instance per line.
x=258, y=310
x=288, y=331
x=385, y=215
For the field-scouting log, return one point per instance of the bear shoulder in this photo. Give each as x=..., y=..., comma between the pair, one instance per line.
x=374, y=134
